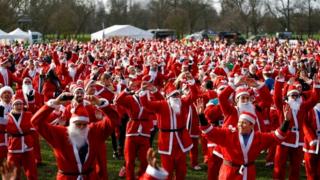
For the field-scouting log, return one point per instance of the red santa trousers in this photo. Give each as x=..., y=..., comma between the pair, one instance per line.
x=175, y=162
x=214, y=164
x=271, y=153
x=136, y=145
x=295, y=156
x=194, y=152
x=3, y=152
x=25, y=160
x=101, y=166
x=204, y=148
x=36, y=147
x=312, y=164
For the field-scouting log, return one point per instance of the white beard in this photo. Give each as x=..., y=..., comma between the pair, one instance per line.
x=292, y=69
x=26, y=88
x=72, y=72
x=175, y=104
x=248, y=107
x=77, y=136
x=294, y=104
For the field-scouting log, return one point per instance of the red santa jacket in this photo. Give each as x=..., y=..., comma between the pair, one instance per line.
x=104, y=92
x=193, y=122
x=7, y=78
x=239, y=158
x=295, y=137
x=34, y=105
x=171, y=125
x=140, y=123
x=311, y=130
x=66, y=78
x=66, y=154
x=231, y=113
x=20, y=133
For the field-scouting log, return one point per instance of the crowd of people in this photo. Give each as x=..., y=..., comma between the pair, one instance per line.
x=234, y=101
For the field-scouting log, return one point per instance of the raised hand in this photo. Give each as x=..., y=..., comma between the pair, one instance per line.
x=287, y=113
x=200, y=106
x=151, y=158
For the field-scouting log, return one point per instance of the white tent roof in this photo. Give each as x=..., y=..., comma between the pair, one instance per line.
x=3, y=35
x=18, y=34
x=122, y=31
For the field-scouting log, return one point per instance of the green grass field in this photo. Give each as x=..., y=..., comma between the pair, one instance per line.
x=48, y=171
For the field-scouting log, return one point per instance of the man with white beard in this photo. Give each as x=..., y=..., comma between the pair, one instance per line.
x=292, y=146
x=32, y=101
x=77, y=146
x=244, y=101
x=174, y=139
x=72, y=73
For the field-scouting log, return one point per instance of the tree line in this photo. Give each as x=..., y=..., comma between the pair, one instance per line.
x=185, y=16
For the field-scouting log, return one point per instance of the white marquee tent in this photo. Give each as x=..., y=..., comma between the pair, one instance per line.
x=122, y=31
x=3, y=35
x=19, y=34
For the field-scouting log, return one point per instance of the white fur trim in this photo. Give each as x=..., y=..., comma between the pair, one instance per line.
x=248, y=118
x=242, y=93
x=52, y=103
x=292, y=91
x=6, y=88
x=314, y=142
x=143, y=93
x=79, y=118
x=157, y=173
x=276, y=132
x=317, y=86
x=207, y=130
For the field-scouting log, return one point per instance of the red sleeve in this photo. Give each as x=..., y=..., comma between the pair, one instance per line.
x=225, y=105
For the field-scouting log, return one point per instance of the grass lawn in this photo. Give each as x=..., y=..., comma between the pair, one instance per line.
x=48, y=171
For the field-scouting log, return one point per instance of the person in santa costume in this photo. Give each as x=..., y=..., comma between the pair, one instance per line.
x=215, y=117
x=6, y=94
x=174, y=139
x=95, y=107
x=311, y=130
x=292, y=146
x=243, y=146
x=32, y=102
x=138, y=129
x=6, y=77
x=20, y=140
x=76, y=147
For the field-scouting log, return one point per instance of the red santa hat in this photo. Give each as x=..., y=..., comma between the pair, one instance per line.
x=267, y=69
x=79, y=114
x=6, y=88
x=248, y=116
x=242, y=91
x=170, y=89
x=292, y=89
x=16, y=99
x=26, y=79
x=159, y=173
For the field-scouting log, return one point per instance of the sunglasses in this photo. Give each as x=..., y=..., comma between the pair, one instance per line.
x=294, y=95
x=81, y=124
